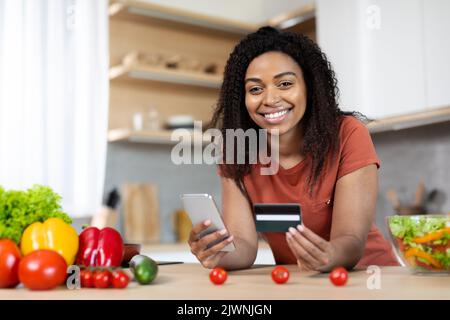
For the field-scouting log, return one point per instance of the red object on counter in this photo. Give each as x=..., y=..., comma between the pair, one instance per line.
x=87, y=278
x=9, y=263
x=280, y=274
x=100, y=248
x=42, y=270
x=102, y=279
x=218, y=276
x=120, y=280
x=339, y=276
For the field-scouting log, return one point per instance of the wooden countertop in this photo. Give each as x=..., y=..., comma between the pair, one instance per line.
x=191, y=281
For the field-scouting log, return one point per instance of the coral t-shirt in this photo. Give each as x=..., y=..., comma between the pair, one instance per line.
x=356, y=150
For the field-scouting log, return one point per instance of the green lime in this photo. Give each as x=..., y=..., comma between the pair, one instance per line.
x=144, y=269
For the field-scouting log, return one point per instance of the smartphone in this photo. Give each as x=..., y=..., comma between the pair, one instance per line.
x=201, y=207
x=277, y=217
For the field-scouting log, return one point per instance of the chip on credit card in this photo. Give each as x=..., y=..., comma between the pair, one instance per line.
x=277, y=217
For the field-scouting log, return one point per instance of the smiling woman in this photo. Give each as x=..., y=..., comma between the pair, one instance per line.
x=282, y=82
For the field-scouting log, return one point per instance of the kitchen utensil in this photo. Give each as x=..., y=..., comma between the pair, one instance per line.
x=173, y=62
x=130, y=59
x=107, y=216
x=138, y=121
x=182, y=225
x=180, y=121
x=435, y=200
x=410, y=210
x=151, y=59
x=210, y=68
x=153, y=119
x=392, y=196
x=141, y=213
x=420, y=191
x=129, y=251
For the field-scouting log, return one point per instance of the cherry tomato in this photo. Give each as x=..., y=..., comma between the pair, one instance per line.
x=9, y=263
x=102, y=279
x=280, y=274
x=218, y=276
x=339, y=276
x=87, y=278
x=120, y=279
x=42, y=270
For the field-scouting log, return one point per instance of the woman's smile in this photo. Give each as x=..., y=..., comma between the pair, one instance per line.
x=276, y=116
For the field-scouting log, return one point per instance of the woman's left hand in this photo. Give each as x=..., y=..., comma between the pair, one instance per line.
x=312, y=252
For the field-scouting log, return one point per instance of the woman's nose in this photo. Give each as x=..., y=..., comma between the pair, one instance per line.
x=271, y=98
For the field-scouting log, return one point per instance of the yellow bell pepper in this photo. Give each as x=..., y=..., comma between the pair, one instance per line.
x=54, y=234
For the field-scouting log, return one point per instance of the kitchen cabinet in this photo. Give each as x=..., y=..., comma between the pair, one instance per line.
x=191, y=281
x=390, y=57
x=436, y=14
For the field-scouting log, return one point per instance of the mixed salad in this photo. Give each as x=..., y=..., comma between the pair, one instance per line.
x=424, y=241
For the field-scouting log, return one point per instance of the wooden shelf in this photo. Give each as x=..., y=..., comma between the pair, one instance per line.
x=128, y=9
x=295, y=17
x=164, y=75
x=417, y=119
x=152, y=137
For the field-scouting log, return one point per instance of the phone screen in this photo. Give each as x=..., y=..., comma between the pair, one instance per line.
x=201, y=207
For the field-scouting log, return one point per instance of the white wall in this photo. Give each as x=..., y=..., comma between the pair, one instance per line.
x=437, y=51
x=391, y=56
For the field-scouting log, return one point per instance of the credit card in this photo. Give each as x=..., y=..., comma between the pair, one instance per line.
x=277, y=217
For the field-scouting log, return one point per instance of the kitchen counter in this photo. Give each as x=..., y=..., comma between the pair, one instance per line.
x=182, y=252
x=191, y=281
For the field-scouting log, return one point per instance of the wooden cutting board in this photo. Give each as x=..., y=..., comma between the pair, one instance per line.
x=141, y=213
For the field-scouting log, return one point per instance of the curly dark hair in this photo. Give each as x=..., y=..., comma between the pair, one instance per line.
x=322, y=115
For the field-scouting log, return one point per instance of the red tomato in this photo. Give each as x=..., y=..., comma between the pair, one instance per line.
x=87, y=278
x=339, y=276
x=120, y=280
x=218, y=276
x=9, y=263
x=42, y=270
x=102, y=279
x=280, y=274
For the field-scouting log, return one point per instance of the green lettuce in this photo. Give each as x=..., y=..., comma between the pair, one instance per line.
x=408, y=228
x=443, y=258
x=19, y=209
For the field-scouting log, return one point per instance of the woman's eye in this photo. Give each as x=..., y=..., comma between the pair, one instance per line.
x=255, y=90
x=285, y=84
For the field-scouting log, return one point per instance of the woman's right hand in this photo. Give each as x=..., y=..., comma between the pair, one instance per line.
x=209, y=258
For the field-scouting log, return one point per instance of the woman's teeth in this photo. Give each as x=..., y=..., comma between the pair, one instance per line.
x=276, y=114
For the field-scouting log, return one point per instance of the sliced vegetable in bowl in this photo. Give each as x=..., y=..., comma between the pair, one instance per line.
x=422, y=242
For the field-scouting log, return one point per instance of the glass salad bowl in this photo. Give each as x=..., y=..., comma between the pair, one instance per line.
x=422, y=242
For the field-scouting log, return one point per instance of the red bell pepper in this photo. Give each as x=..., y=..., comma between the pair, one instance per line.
x=100, y=248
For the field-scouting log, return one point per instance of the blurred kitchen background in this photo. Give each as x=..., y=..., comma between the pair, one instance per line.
x=90, y=92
